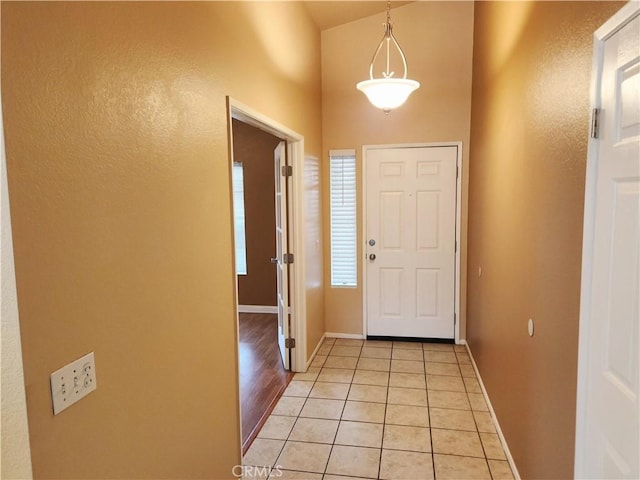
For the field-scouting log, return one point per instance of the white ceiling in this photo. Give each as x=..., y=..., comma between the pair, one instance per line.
x=328, y=14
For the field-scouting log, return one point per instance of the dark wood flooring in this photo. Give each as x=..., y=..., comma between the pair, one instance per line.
x=262, y=375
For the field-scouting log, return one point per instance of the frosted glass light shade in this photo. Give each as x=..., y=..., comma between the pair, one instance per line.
x=388, y=93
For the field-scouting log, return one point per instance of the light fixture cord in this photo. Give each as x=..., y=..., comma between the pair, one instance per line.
x=387, y=35
x=387, y=38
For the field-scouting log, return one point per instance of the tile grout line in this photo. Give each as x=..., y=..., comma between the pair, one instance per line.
x=484, y=452
x=296, y=421
x=335, y=437
x=426, y=387
x=384, y=416
x=386, y=403
x=298, y=415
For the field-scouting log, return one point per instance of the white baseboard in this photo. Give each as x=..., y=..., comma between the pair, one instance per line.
x=512, y=464
x=354, y=336
x=315, y=352
x=257, y=309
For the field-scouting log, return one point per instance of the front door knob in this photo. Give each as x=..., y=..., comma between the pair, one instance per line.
x=372, y=256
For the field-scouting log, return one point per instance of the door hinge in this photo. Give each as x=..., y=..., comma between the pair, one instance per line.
x=595, y=123
x=287, y=171
x=289, y=343
x=455, y=248
x=287, y=258
x=457, y=171
x=455, y=319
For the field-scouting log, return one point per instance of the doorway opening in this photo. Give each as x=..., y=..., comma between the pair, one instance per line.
x=269, y=260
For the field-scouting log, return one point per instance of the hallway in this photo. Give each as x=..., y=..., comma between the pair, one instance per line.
x=381, y=410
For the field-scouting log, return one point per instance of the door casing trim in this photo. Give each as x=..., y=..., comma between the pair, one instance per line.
x=456, y=307
x=295, y=152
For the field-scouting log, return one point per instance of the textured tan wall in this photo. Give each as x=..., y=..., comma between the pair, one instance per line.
x=530, y=117
x=118, y=168
x=437, y=40
x=254, y=149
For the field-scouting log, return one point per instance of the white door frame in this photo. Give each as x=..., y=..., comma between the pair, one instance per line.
x=295, y=152
x=366, y=148
x=610, y=27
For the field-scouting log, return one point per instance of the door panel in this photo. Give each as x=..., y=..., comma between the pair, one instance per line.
x=391, y=220
x=427, y=234
x=281, y=250
x=427, y=285
x=611, y=440
x=391, y=292
x=411, y=216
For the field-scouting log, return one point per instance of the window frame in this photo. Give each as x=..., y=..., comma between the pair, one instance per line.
x=345, y=274
x=239, y=219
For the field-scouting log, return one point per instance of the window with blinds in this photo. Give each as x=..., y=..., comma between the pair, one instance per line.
x=238, y=217
x=342, y=165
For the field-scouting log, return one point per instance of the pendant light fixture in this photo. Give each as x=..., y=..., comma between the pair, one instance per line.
x=387, y=92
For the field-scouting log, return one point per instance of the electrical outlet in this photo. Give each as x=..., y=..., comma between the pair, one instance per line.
x=73, y=382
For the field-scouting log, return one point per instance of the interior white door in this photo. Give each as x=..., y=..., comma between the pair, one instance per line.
x=608, y=446
x=281, y=181
x=410, y=241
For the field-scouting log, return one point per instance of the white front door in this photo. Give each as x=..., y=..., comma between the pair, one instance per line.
x=607, y=443
x=410, y=241
x=280, y=160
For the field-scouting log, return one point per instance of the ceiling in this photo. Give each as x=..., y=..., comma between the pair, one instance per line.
x=328, y=14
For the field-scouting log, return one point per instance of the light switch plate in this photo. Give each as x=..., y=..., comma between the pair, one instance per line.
x=73, y=382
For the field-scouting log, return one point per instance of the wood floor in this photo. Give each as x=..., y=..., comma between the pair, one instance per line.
x=262, y=375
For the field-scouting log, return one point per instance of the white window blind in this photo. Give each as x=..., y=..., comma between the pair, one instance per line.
x=342, y=165
x=238, y=217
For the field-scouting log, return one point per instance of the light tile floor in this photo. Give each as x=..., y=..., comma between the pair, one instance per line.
x=381, y=410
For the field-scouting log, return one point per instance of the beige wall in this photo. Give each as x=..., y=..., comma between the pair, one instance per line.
x=531, y=77
x=437, y=40
x=254, y=149
x=118, y=168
